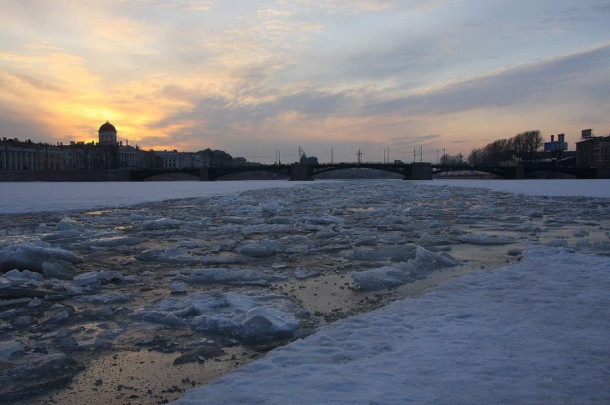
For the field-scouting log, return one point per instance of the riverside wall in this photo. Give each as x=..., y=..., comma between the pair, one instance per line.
x=603, y=173
x=66, y=175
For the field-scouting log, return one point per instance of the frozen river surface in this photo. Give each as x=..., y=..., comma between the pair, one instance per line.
x=366, y=292
x=60, y=196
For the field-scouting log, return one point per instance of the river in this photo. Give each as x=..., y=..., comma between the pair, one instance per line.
x=22, y=197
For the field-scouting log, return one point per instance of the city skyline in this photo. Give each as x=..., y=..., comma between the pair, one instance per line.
x=256, y=77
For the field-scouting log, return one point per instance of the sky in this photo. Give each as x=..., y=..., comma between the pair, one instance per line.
x=261, y=78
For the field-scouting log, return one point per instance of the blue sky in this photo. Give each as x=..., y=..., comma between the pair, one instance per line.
x=253, y=77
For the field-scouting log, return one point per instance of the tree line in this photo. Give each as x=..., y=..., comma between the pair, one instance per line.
x=522, y=145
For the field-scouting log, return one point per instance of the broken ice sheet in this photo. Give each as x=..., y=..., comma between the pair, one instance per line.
x=248, y=316
x=169, y=255
x=31, y=256
x=394, y=253
x=233, y=276
x=160, y=223
x=109, y=298
x=254, y=249
x=402, y=273
x=482, y=239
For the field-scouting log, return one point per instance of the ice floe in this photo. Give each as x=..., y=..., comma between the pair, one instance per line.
x=250, y=317
x=226, y=276
x=32, y=256
x=483, y=239
x=254, y=249
x=402, y=273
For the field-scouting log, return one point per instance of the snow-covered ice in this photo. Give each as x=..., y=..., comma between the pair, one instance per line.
x=58, y=196
x=533, y=332
x=548, y=188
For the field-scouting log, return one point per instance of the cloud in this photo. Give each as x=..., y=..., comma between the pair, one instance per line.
x=220, y=113
x=357, y=7
x=411, y=140
x=264, y=112
x=14, y=124
x=499, y=89
x=36, y=84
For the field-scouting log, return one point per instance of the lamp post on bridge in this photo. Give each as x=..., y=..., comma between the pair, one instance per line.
x=421, y=152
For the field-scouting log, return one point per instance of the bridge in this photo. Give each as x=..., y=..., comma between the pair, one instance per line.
x=409, y=171
x=295, y=172
x=523, y=171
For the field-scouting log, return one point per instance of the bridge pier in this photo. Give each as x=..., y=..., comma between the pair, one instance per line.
x=204, y=174
x=602, y=173
x=420, y=171
x=519, y=172
x=300, y=172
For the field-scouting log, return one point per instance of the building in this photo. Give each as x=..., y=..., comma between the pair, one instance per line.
x=593, y=151
x=19, y=155
x=556, y=151
x=181, y=160
x=107, y=153
x=90, y=156
x=50, y=157
x=136, y=158
x=556, y=145
x=94, y=156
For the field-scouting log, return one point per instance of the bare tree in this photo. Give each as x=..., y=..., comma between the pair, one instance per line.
x=525, y=143
x=452, y=160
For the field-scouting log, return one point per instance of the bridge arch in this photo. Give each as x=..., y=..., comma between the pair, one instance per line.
x=524, y=171
x=401, y=169
x=504, y=172
x=279, y=170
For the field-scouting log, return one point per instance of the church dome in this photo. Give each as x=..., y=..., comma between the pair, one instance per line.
x=107, y=127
